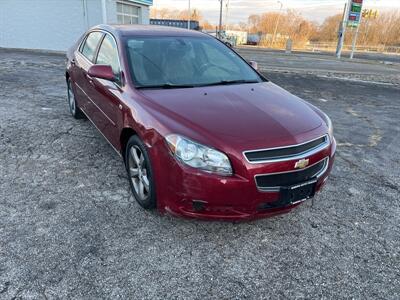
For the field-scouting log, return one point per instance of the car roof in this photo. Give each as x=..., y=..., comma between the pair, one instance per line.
x=148, y=30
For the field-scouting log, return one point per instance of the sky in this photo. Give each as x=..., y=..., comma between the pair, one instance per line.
x=239, y=10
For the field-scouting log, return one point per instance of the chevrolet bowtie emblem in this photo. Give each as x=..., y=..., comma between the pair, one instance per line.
x=302, y=163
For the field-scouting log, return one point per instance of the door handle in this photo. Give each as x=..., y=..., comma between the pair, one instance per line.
x=89, y=78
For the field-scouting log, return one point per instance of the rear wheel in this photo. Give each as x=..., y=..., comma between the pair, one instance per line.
x=73, y=107
x=140, y=173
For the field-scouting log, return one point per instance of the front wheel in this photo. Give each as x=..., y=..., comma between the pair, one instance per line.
x=73, y=107
x=140, y=173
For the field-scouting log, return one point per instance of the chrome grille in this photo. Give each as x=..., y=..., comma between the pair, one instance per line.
x=288, y=152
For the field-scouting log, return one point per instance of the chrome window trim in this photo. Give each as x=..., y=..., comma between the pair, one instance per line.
x=277, y=188
x=291, y=157
x=82, y=44
x=84, y=57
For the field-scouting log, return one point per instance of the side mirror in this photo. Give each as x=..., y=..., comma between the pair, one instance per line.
x=102, y=71
x=253, y=64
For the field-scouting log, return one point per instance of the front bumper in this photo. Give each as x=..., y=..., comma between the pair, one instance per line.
x=184, y=191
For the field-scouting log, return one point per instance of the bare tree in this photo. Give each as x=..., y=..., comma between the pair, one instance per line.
x=165, y=13
x=382, y=31
x=291, y=26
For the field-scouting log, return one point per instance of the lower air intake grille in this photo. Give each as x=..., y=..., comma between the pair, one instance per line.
x=275, y=180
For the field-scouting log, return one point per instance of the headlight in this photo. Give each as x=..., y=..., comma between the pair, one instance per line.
x=327, y=120
x=329, y=124
x=199, y=156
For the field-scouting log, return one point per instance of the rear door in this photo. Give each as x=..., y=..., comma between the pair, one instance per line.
x=84, y=59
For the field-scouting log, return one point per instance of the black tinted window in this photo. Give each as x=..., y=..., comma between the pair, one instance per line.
x=108, y=54
x=90, y=45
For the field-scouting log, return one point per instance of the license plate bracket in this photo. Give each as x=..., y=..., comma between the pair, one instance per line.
x=297, y=192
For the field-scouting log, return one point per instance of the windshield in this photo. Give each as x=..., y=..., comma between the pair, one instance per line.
x=185, y=62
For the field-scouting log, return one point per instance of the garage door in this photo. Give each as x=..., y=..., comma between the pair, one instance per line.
x=127, y=13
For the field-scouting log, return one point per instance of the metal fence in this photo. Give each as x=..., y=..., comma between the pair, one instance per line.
x=314, y=47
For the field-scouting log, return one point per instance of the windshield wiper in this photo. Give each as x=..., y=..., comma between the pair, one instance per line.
x=182, y=86
x=228, y=82
x=165, y=86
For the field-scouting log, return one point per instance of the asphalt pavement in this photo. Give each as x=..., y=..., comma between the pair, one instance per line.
x=363, y=55
x=70, y=229
x=325, y=65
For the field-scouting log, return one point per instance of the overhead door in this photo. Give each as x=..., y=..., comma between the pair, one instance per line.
x=127, y=13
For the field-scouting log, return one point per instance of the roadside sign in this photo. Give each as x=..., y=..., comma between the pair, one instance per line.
x=354, y=15
x=370, y=13
x=356, y=8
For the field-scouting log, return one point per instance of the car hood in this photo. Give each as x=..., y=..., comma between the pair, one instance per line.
x=256, y=115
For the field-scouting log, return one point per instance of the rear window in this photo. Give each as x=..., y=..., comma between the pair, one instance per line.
x=90, y=45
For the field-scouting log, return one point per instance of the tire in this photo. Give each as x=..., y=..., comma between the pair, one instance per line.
x=73, y=106
x=140, y=173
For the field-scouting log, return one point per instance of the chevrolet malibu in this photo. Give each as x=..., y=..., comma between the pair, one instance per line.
x=202, y=133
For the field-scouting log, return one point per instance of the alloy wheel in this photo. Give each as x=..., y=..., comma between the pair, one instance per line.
x=138, y=173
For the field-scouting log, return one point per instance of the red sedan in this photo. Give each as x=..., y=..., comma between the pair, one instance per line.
x=201, y=132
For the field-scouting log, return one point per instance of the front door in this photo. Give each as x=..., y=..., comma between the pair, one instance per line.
x=105, y=94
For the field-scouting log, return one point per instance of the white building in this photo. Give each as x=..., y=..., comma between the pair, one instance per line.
x=240, y=37
x=57, y=24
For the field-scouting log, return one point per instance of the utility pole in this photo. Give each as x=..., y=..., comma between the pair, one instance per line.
x=353, y=46
x=104, y=11
x=85, y=13
x=366, y=31
x=226, y=15
x=189, y=14
x=277, y=23
x=220, y=19
x=342, y=29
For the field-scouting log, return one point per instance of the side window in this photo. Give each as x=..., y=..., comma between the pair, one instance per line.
x=108, y=54
x=90, y=45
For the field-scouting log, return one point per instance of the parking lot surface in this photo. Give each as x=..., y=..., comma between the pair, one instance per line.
x=388, y=58
x=69, y=227
x=376, y=69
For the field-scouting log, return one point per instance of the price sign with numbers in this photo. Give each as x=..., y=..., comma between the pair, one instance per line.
x=355, y=9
